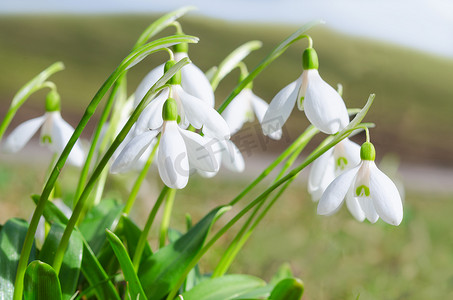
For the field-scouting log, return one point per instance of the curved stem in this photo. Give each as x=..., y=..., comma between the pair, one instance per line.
x=178, y=27
x=138, y=183
x=164, y=224
x=243, y=234
x=144, y=234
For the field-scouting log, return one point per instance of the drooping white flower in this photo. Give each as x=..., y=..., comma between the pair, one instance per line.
x=243, y=108
x=323, y=106
x=193, y=81
x=55, y=132
x=343, y=156
x=179, y=150
x=369, y=193
x=192, y=110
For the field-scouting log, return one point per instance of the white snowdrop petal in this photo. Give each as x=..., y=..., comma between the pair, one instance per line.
x=232, y=157
x=354, y=207
x=22, y=134
x=61, y=133
x=200, y=114
x=321, y=175
x=147, y=82
x=132, y=151
x=386, y=198
x=260, y=108
x=366, y=203
x=236, y=112
x=352, y=151
x=200, y=151
x=280, y=108
x=172, y=159
x=194, y=82
x=323, y=106
x=151, y=116
x=335, y=193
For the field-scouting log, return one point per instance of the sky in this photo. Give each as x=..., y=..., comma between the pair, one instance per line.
x=426, y=25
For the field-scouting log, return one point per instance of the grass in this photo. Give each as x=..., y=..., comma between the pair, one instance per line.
x=414, y=94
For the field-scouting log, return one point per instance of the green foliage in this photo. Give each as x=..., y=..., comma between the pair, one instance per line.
x=41, y=282
x=288, y=289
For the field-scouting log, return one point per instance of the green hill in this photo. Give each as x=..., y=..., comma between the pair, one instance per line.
x=414, y=94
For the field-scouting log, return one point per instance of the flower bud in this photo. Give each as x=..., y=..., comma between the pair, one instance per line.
x=367, y=151
x=53, y=101
x=176, y=79
x=310, y=59
x=170, y=110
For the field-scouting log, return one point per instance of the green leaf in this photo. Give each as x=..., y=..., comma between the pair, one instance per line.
x=131, y=233
x=135, y=288
x=104, y=215
x=161, y=272
x=162, y=23
x=297, y=35
x=72, y=260
x=91, y=268
x=288, y=289
x=12, y=238
x=232, y=60
x=283, y=272
x=225, y=287
x=41, y=282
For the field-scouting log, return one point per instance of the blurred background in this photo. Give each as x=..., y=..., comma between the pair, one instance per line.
x=402, y=52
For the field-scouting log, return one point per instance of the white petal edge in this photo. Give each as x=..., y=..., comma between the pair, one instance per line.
x=22, y=134
x=172, y=159
x=200, y=114
x=354, y=207
x=147, y=82
x=335, y=193
x=61, y=133
x=260, y=108
x=323, y=106
x=132, y=152
x=386, y=198
x=151, y=116
x=232, y=158
x=321, y=175
x=280, y=108
x=200, y=151
x=194, y=82
x=235, y=114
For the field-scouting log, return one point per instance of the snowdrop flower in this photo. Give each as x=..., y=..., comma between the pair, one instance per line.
x=343, y=156
x=179, y=150
x=323, y=106
x=243, y=108
x=369, y=193
x=193, y=80
x=192, y=110
x=55, y=132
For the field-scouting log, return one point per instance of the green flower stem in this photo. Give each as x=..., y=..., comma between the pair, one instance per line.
x=94, y=142
x=279, y=50
x=329, y=143
x=164, y=224
x=242, y=236
x=135, y=189
x=34, y=85
x=144, y=234
x=58, y=259
x=296, y=144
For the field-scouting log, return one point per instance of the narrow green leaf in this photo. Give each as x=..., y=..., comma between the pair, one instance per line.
x=360, y=115
x=225, y=287
x=162, y=23
x=135, y=288
x=41, y=282
x=161, y=272
x=72, y=261
x=297, y=35
x=91, y=268
x=288, y=289
x=131, y=233
x=284, y=271
x=12, y=237
x=232, y=60
x=104, y=215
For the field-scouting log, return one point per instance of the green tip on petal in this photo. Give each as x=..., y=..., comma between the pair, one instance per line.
x=52, y=101
x=170, y=110
x=176, y=79
x=367, y=151
x=310, y=59
x=181, y=48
